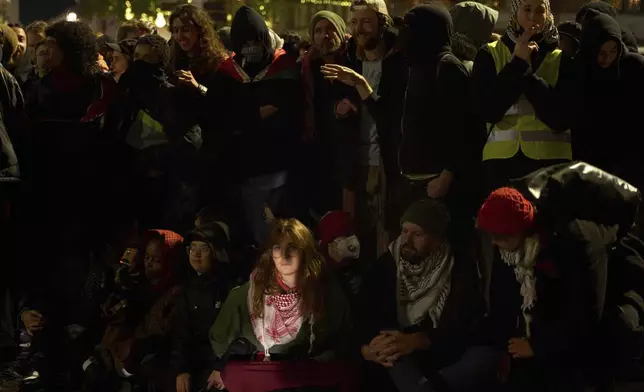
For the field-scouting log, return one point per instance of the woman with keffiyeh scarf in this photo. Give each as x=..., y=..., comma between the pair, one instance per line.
x=288, y=311
x=521, y=84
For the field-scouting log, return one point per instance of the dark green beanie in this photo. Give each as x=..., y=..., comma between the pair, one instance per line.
x=332, y=17
x=430, y=214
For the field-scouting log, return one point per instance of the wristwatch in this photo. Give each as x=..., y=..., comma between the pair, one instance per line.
x=203, y=90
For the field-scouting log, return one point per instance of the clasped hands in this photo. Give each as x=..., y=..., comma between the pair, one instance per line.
x=386, y=348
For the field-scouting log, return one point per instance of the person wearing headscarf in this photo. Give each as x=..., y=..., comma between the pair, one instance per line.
x=521, y=85
x=473, y=27
x=608, y=70
x=269, y=120
x=331, y=116
x=628, y=37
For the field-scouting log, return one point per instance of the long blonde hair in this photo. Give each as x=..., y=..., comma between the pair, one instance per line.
x=310, y=273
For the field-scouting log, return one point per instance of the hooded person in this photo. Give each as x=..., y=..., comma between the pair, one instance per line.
x=569, y=36
x=473, y=26
x=627, y=36
x=608, y=70
x=437, y=91
x=523, y=86
x=268, y=85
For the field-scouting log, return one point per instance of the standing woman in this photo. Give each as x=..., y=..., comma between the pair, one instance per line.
x=609, y=70
x=288, y=311
x=521, y=84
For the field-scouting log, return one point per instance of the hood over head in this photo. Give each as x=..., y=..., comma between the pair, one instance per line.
x=597, y=29
x=335, y=19
x=428, y=33
x=474, y=20
x=247, y=26
x=599, y=6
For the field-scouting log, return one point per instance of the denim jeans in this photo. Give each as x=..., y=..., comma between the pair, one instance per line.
x=476, y=369
x=255, y=192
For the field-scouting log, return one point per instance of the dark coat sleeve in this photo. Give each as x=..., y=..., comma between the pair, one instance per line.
x=181, y=338
x=453, y=85
x=551, y=103
x=496, y=93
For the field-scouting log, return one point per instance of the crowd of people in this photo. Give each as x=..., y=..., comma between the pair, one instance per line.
x=411, y=204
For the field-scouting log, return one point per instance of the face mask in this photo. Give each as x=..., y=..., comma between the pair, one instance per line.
x=252, y=54
x=344, y=248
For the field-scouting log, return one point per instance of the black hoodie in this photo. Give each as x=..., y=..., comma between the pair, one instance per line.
x=629, y=39
x=262, y=146
x=248, y=26
x=603, y=133
x=435, y=107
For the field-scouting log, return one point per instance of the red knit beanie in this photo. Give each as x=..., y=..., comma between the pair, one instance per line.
x=506, y=211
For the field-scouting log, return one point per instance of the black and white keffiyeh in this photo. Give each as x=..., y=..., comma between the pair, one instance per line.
x=423, y=288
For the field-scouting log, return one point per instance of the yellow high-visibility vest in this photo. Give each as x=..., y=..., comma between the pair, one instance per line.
x=520, y=128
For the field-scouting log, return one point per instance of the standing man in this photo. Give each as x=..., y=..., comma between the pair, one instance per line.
x=375, y=62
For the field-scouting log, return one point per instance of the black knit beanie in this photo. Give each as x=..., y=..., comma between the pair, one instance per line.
x=430, y=214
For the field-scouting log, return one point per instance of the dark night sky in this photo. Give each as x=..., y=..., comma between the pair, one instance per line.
x=31, y=10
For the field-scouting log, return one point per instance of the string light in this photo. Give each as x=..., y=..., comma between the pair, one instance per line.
x=160, y=21
x=327, y=2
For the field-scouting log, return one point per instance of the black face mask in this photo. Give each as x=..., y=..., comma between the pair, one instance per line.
x=142, y=74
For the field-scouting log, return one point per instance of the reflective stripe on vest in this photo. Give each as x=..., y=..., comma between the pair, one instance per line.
x=520, y=129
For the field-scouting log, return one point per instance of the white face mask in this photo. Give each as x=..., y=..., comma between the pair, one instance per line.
x=252, y=54
x=344, y=248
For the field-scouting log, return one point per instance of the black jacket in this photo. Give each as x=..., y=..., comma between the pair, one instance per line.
x=261, y=146
x=198, y=307
x=377, y=310
x=599, y=136
x=387, y=110
x=436, y=101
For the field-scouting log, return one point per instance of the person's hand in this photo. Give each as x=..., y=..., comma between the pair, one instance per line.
x=33, y=321
x=215, y=381
x=342, y=74
x=439, y=186
x=183, y=382
x=267, y=111
x=402, y=344
x=102, y=64
x=524, y=47
x=520, y=348
x=344, y=108
x=186, y=78
x=371, y=351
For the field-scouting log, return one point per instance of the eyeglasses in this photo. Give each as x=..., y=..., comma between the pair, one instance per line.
x=192, y=249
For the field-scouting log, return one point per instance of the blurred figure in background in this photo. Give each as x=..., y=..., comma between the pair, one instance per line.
x=569, y=36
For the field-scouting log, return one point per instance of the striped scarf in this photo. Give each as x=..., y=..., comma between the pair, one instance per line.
x=423, y=288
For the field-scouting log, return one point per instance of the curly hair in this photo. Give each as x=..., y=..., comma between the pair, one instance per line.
x=158, y=45
x=136, y=27
x=211, y=50
x=310, y=273
x=37, y=27
x=77, y=41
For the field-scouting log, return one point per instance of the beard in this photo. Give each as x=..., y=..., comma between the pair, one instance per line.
x=408, y=253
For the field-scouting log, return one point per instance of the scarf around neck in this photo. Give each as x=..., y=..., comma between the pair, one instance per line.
x=423, y=288
x=549, y=32
x=523, y=261
x=281, y=321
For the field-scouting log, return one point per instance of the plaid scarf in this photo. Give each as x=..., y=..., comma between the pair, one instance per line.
x=281, y=321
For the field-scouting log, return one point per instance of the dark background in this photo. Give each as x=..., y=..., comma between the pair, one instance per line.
x=31, y=10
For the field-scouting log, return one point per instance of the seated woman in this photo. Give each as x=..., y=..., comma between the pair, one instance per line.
x=287, y=311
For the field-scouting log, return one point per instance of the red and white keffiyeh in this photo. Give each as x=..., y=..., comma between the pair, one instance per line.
x=281, y=321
